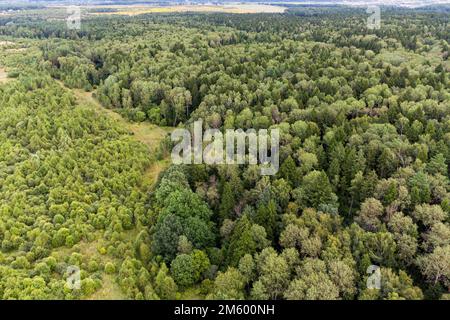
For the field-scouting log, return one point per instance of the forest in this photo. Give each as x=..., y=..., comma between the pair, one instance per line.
x=364, y=117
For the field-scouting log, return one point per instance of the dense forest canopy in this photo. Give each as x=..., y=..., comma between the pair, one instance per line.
x=364, y=117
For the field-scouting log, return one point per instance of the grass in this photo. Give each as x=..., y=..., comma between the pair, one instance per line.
x=401, y=57
x=192, y=293
x=147, y=133
x=4, y=76
x=109, y=290
x=151, y=174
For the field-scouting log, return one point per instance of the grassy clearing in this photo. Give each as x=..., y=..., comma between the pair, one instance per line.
x=402, y=57
x=151, y=174
x=193, y=293
x=147, y=133
x=109, y=290
x=86, y=98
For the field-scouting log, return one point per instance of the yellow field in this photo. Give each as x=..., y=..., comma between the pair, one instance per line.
x=6, y=43
x=228, y=8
